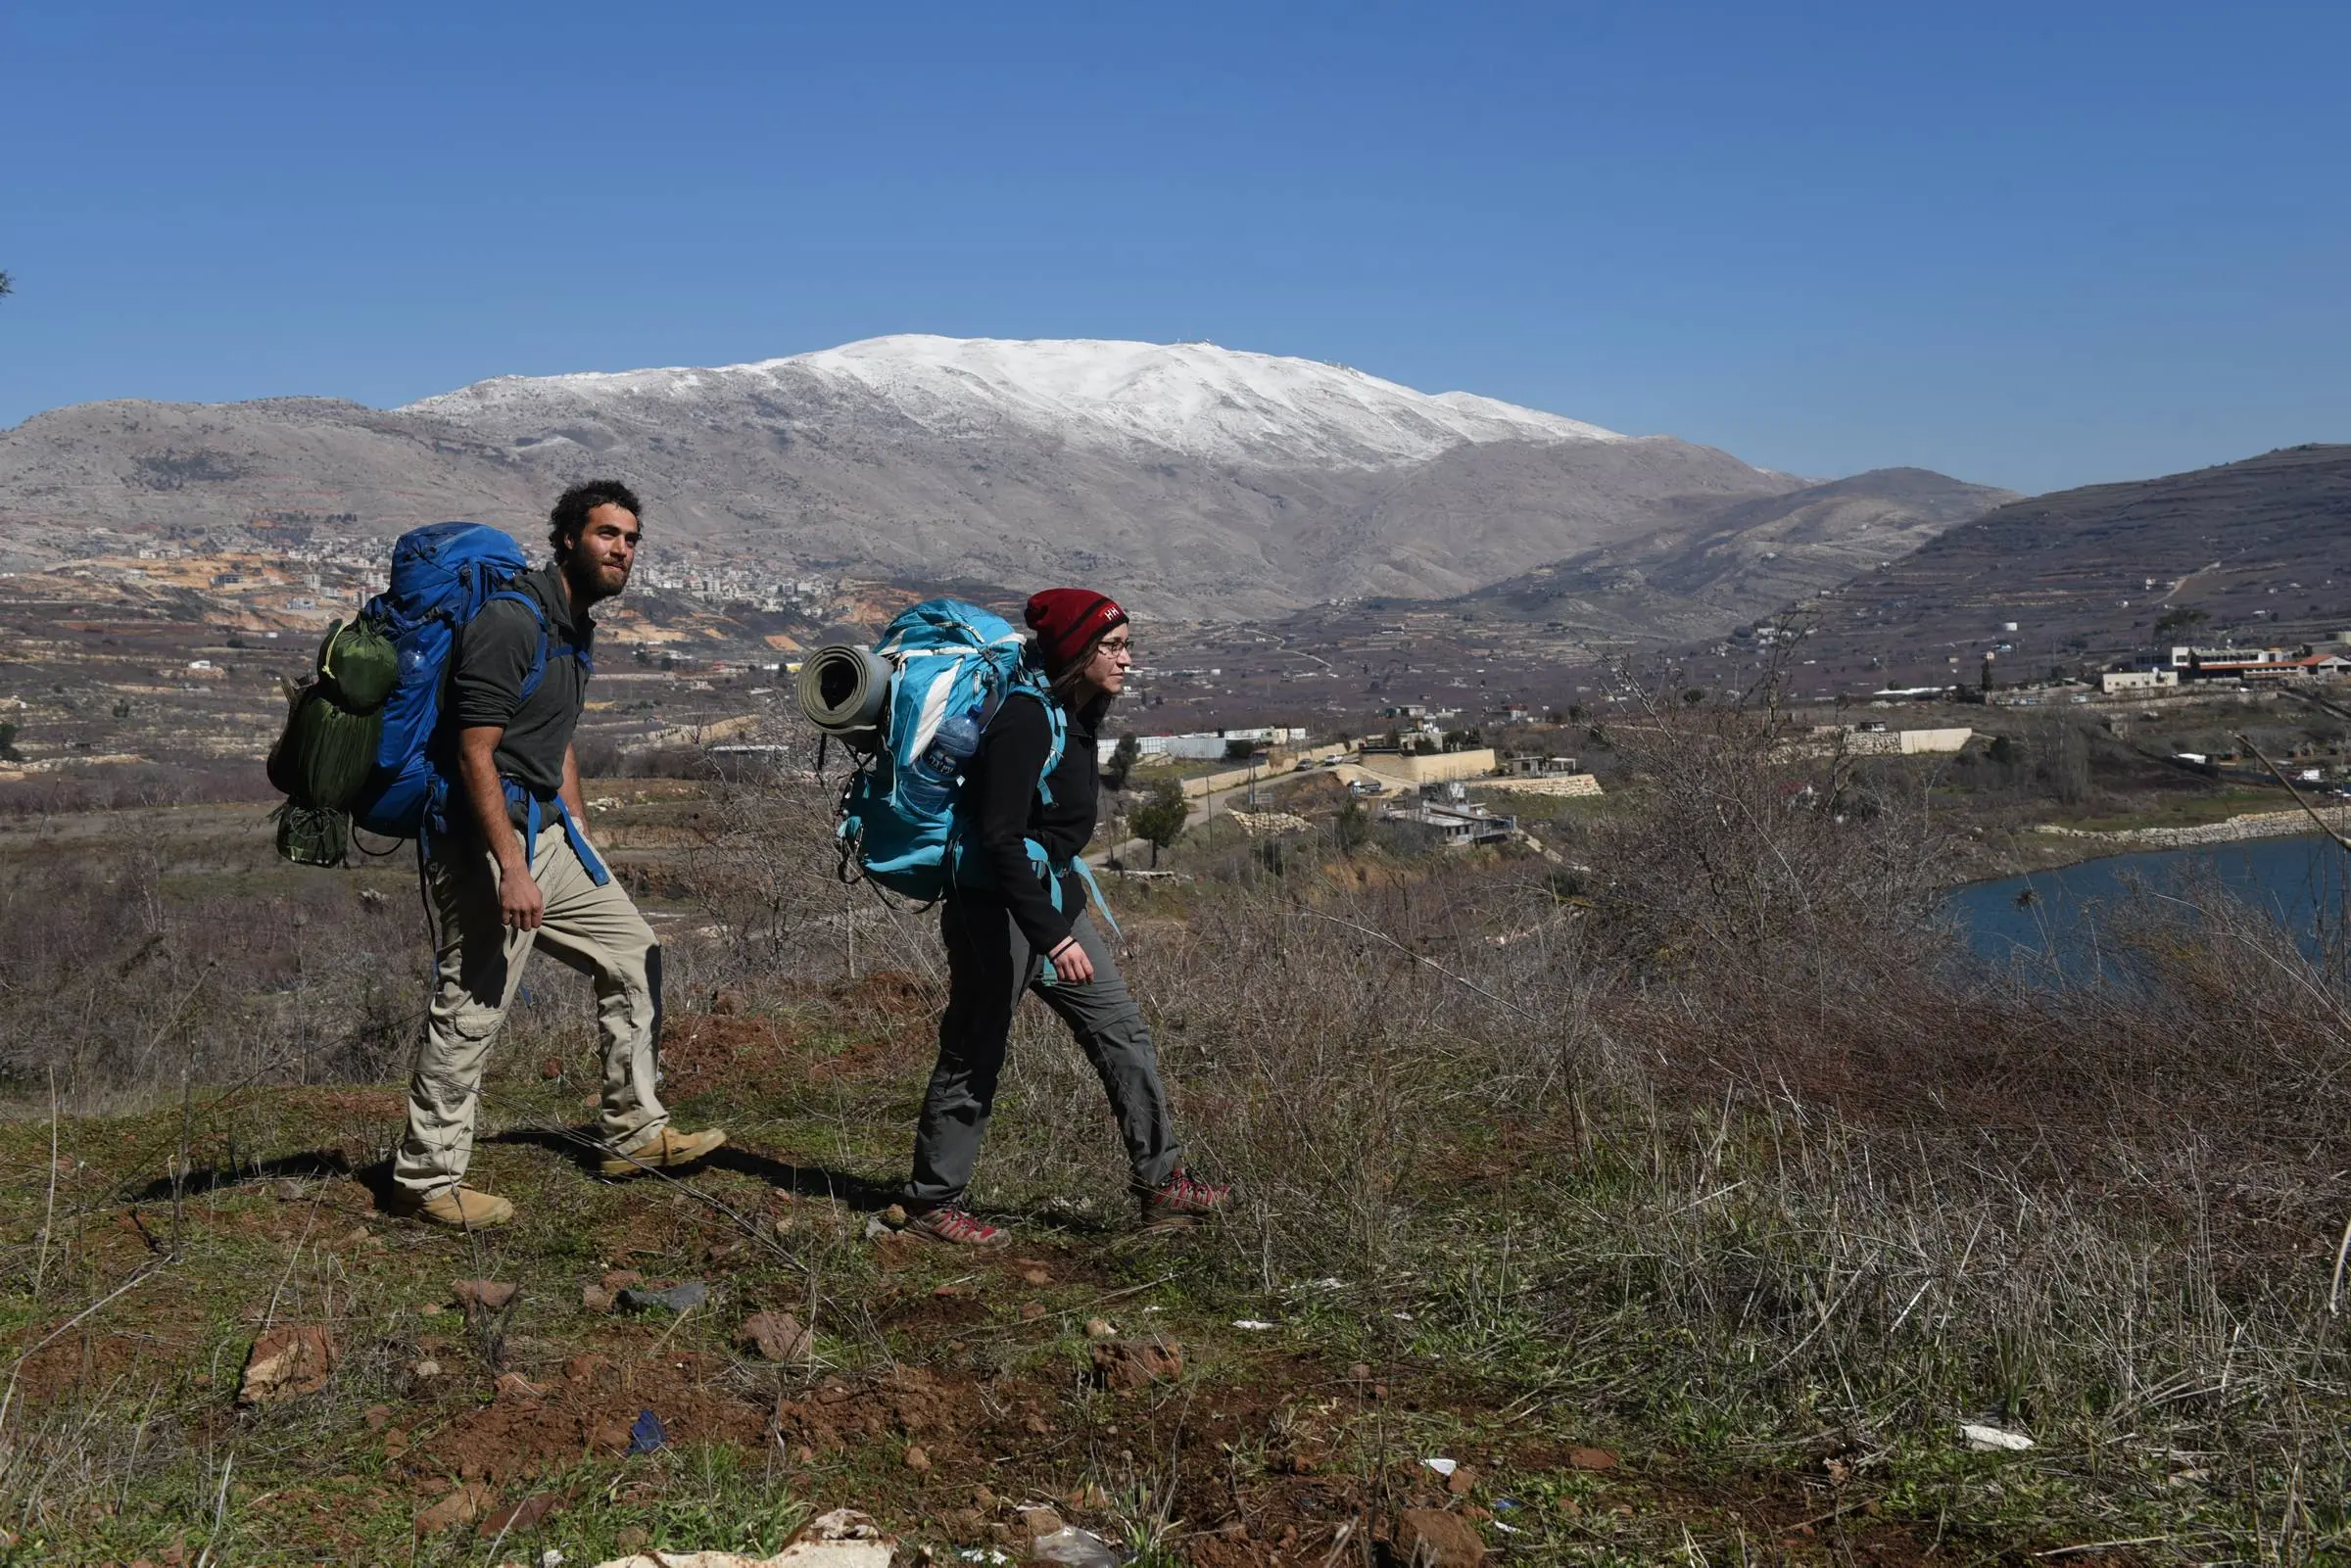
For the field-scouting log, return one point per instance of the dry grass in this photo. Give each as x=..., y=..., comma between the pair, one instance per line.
x=1706, y=1131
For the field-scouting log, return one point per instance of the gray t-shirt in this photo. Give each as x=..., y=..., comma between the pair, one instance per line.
x=495, y=654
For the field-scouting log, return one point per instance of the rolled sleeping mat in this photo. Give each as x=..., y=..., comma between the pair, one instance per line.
x=844, y=691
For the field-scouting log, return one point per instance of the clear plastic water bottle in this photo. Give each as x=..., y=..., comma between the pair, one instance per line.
x=930, y=782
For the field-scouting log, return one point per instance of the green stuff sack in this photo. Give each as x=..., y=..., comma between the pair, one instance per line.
x=334, y=723
x=358, y=666
x=313, y=835
x=326, y=753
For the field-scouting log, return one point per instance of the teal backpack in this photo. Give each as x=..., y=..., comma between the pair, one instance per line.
x=945, y=668
x=911, y=709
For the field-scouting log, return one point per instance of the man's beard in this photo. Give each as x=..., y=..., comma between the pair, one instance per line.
x=590, y=585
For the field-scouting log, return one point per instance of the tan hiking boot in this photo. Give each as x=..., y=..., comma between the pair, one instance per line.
x=458, y=1208
x=665, y=1150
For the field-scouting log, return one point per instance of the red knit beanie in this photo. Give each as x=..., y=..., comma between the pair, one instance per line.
x=1068, y=620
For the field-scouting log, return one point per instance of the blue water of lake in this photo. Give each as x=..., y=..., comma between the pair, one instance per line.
x=2058, y=915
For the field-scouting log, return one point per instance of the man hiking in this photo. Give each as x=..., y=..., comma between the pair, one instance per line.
x=509, y=867
x=1018, y=902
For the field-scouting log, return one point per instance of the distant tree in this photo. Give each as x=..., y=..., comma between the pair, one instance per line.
x=644, y=655
x=1425, y=747
x=1695, y=695
x=1352, y=826
x=1129, y=751
x=1575, y=713
x=7, y=285
x=2181, y=620
x=1160, y=820
x=8, y=744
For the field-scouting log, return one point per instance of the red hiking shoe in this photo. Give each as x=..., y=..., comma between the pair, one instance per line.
x=1181, y=1198
x=956, y=1228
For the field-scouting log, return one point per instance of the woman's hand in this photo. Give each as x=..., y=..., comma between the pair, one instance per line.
x=1071, y=966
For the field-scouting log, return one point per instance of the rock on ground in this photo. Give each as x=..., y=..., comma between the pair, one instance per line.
x=777, y=1337
x=460, y=1507
x=1431, y=1538
x=297, y=1358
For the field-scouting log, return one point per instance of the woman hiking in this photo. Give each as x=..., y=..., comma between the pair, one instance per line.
x=1014, y=923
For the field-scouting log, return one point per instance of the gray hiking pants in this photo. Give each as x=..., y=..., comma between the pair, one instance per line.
x=595, y=930
x=989, y=964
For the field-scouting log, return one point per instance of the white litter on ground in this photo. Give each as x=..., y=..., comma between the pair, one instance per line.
x=1991, y=1438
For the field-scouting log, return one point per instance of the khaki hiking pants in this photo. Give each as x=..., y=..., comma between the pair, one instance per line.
x=595, y=930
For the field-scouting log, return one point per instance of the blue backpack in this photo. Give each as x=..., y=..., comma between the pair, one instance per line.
x=442, y=576
x=949, y=661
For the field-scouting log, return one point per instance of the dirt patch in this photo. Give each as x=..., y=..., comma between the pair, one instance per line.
x=578, y=1416
x=79, y=1362
x=703, y=1053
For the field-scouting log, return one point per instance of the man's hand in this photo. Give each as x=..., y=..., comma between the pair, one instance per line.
x=1071, y=966
x=520, y=904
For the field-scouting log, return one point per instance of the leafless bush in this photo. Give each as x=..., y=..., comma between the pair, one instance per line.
x=118, y=978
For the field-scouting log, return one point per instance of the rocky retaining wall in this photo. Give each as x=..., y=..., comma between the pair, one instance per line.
x=2227, y=831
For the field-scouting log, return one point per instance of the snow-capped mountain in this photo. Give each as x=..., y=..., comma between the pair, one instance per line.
x=1130, y=399
x=1189, y=479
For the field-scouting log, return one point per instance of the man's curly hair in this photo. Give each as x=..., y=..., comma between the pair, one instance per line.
x=574, y=505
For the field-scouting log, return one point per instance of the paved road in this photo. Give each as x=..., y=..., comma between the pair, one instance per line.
x=1138, y=851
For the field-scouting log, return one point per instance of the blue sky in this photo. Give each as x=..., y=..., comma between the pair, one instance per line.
x=2035, y=245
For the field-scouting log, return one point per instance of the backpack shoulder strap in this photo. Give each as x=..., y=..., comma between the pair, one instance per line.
x=1058, y=723
x=538, y=669
x=1057, y=730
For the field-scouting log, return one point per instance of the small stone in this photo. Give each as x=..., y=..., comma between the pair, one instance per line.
x=677, y=1299
x=1127, y=1365
x=378, y=1417
x=296, y=1358
x=582, y=1369
x=1040, y=1521
x=951, y=1290
x=426, y=1368
x=595, y=1299
x=804, y=1455
x=894, y=1217
x=777, y=1337
x=1089, y=1495
x=1031, y=1312
x=620, y=1279
x=1035, y=1277
x=357, y=1238
x=550, y=1068
x=1072, y=1548
x=1431, y=1538
x=483, y=1294
x=1462, y=1482
x=522, y=1516
x=396, y=1444
x=631, y=1537
x=1591, y=1459
x=1360, y=1372
x=285, y=1192
x=460, y=1507
x=1098, y=1328
x=430, y=1308
x=514, y=1386
x=917, y=1459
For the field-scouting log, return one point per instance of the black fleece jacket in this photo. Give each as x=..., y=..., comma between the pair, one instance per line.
x=1004, y=807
